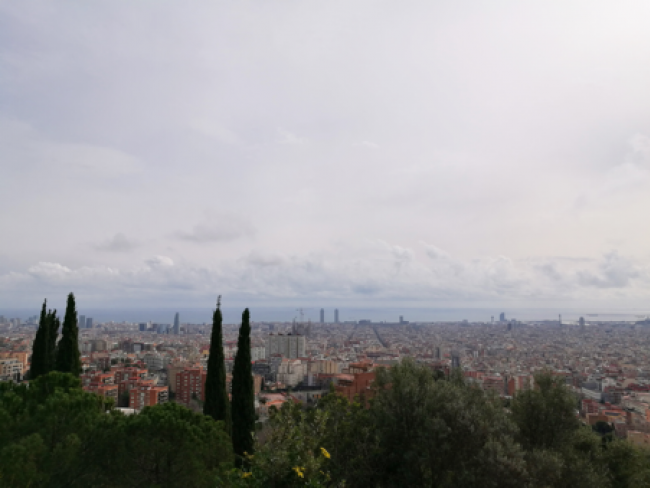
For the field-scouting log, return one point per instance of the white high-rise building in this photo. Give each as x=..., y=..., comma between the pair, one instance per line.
x=290, y=346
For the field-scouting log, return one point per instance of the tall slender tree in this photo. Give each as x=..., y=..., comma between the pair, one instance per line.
x=53, y=325
x=68, y=359
x=243, y=398
x=39, y=347
x=217, y=403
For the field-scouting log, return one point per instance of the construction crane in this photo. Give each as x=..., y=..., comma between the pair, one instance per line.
x=302, y=314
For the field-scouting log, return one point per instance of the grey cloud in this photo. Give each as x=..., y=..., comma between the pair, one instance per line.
x=573, y=259
x=257, y=258
x=160, y=261
x=443, y=263
x=640, y=149
x=615, y=271
x=227, y=228
x=215, y=130
x=34, y=151
x=629, y=176
x=118, y=243
x=435, y=253
x=550, y=270
x=367, y=144
x=287, y=137
x=366, y=289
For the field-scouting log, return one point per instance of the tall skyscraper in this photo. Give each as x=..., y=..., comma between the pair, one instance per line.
x=322, y=315
x=82, y=321
x=89, y=322
x=502, y=317
x=336, y=315
x=177, y=324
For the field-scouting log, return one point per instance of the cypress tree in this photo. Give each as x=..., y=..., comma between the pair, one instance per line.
x=39, y=347
x=217, y=403
x=68, y=359
x=53, y=324
x=243, y=400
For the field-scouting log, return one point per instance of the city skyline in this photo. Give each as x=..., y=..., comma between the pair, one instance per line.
x=232, y=315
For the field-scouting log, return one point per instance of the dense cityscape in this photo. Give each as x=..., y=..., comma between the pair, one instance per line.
x=607, y=364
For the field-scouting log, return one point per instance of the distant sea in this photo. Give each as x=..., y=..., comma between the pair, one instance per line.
x=392, y=314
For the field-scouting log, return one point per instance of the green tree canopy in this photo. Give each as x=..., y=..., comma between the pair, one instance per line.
x=168, y=446
x=54, y=434
x=441, y=433
x=545, y=414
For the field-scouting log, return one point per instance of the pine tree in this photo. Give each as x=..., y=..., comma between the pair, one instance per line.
x=67, y=354
x=243, y=400
x=217, y=403
x=39, y=347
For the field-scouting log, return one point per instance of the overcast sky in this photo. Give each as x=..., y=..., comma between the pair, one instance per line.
x=429, y=153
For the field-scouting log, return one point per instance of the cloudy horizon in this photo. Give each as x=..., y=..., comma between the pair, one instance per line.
x=365, y=153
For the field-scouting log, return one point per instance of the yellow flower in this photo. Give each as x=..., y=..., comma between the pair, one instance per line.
x=325, y=453
x=298, y=471
x=246, y=475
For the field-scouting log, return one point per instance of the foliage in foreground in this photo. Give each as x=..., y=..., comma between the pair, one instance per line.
x=54, y=434
x=421, y=430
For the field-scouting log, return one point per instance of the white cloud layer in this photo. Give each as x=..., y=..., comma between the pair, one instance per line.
x=318, y=150
x=382, y=274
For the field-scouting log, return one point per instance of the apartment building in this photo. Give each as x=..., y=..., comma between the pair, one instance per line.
x=108, y=391
x=190, y=383
x=290, y=346
x=147, y=396
x=11, y=369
